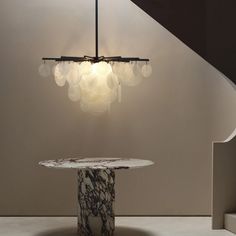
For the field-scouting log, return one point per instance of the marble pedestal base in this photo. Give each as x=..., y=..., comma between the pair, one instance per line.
x=96, y=192
x=96, y=196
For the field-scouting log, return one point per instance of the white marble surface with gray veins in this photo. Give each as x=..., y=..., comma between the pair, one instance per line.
x=96, y=198
x=96, y=163
x=96, y=190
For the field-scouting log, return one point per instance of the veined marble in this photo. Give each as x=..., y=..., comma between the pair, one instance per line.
x=96, y=163
x=96, y=196
x=96, y=190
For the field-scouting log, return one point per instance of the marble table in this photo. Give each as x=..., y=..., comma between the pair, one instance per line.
x=96, y=190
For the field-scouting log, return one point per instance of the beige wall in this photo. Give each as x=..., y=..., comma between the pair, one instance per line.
x=171, y=118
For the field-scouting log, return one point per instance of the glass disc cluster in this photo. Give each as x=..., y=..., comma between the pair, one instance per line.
x=96, y=85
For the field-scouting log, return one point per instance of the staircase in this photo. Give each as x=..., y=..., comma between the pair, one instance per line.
x=206, y=26
x=230, y=222
x=224, y=182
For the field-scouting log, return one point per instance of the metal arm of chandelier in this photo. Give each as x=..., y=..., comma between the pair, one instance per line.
x=96, y=58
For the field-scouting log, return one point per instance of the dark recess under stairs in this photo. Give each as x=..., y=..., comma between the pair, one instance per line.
x=206, y=26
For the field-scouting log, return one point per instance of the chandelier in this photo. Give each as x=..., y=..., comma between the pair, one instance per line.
x=96, y=81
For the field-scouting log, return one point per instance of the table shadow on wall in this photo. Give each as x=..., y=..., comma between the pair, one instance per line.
x=120, y=231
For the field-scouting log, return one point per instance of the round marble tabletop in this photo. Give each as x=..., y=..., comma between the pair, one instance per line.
x=96, y=163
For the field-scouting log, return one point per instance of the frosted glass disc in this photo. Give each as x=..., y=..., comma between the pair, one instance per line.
x=102, y=68
x=73, y=75
x=64, y=68
x=60, y=79
x=146, y=70
x=91, y=81
x=112, y=81
x=85, y=68
x=44, y=70
x=129, y=74
x=74, y=93
x=137, y=79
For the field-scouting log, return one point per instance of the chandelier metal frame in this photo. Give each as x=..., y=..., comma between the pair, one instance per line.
x=96, y=58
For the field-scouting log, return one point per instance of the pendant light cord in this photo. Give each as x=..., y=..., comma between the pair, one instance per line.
x=96, y=27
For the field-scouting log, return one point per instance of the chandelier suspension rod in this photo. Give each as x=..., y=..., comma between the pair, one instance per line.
x=96, y=58
x=96, y=28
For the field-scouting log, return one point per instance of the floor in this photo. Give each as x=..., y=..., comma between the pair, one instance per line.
x=126, y=226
